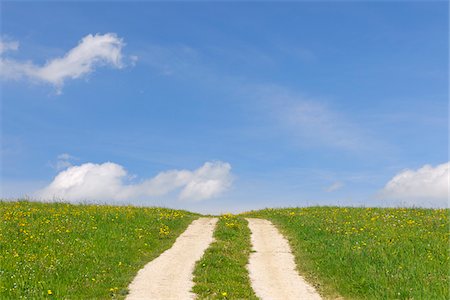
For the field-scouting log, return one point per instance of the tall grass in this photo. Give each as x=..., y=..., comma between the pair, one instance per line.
x=369, y=253
x=65, y=251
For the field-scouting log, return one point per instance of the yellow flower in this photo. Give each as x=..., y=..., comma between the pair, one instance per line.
x=226, y=216
x=224, y=294
x=232, y=225
x=164, y=230
x=49, y=292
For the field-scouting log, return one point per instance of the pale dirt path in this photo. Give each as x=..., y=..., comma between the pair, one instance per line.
x=169, y=276
x=272, y=268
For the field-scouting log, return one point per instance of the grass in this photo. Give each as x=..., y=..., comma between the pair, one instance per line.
x=369, y=253
x=93, y=251
x=222, y=273
x=85, y=251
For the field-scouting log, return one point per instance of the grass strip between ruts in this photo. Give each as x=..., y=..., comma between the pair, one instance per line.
x=222, y=272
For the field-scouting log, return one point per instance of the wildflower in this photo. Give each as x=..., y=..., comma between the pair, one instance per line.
x=224, y=294
x=231, y=225
x=49, y=292
x=164, y=230
x=226, y=216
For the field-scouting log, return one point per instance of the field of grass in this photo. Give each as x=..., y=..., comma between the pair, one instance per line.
x=85, y=251
x=221, y=273
x=369, y=253
x=94, y=251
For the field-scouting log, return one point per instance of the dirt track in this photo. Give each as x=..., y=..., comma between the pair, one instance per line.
x=272, y=268
x=169, y=276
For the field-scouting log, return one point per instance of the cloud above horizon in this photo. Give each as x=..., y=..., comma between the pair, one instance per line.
x=91, y=52
x=108, y=182
x=426, y=186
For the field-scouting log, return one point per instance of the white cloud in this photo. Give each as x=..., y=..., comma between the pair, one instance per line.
x=334, y=187
x=207, y=181
x=92, y=51
x=427, y=186
x=8, y=46
x=107, y=182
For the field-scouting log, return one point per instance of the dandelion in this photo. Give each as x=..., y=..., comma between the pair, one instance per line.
x=231, y=225
x=164, y=231
x=227, y=216
x=49, y=292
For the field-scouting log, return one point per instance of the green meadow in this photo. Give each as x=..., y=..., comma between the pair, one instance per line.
x=52, y=251
x=369, y=253
x=58, y=250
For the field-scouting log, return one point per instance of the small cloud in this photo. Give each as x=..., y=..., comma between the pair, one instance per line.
x=334, y=187
x=107, y=182
x=91, y=52
x=426, y=186
x=62, y=164
x=65, y=156
x=63, y=161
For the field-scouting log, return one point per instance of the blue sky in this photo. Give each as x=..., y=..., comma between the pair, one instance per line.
x=261, y=104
